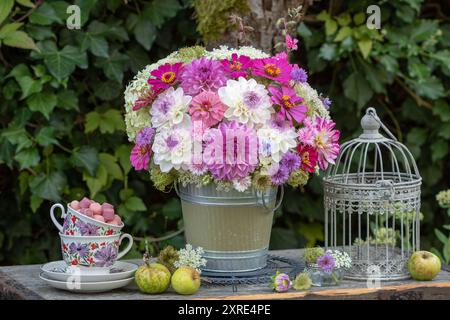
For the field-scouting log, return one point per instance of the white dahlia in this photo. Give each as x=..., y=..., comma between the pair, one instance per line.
x=173, y=148
x=170, y=109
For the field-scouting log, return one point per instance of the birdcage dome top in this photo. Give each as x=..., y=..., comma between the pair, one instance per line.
x=373, y=158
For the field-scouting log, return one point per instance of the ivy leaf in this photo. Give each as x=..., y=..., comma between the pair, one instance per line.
x=442, y=109
x=108, y=90
x=172, y=209
x=113, y=66
x=28, y=86
x=93, y=120
x=123, y=154
x=48, y=187
x=330, y=27
x=44, y=15
x=18, y=137
x=98, y=181
x=42, y=102
x=135, y=204
x=61, y=63
x=35, y=202
x=8, y=28
x=444, y=131
x=365, y=46
x=5, y=9
x=441, y=237
x=110, y=164
x=85, y=157
x=97, y=44
x=19, y=39
x=46, y=136
x=357, y=89
x=359, y=18
x=344, y=19
x=327, y=51
x=27, y=158
x=343, y=33
x=430, y=88
x=439, y=150
x=145, y=33
x=107, y=122
x=390, y=63
x=68, y=100
x=159, y=11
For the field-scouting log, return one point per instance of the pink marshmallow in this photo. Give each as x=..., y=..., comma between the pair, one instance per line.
x=99, y=218
x=117, y=218
x=114, y=222
x=106, y=205
x=96, y=208
x=88, y=212
x=85, y=203
x=108, y=214
x=75, y=205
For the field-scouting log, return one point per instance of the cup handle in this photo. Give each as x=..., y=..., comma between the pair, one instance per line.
x=128, y=248
x=52, y=215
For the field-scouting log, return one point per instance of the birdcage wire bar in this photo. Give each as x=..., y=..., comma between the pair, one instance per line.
x=372, y=203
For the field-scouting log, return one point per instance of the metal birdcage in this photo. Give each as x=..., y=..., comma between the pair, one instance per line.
x=372, y=203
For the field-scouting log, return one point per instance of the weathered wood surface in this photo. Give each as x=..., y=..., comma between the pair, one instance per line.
x=22, y=282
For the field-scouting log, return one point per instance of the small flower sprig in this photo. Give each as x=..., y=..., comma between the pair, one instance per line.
x=191, y=257
x=288, y=25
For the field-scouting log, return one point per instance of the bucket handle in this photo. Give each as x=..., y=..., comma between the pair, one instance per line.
x=280, y=200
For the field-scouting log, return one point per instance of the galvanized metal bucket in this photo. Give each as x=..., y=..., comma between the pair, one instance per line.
x=232, y=227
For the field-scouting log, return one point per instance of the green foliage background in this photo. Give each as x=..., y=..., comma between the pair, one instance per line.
x=61, y=97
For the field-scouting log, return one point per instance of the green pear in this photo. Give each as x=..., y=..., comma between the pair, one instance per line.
x=186, y=280
x=152, y=278
x=424, y=265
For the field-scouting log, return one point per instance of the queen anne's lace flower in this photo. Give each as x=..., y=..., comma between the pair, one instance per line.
x=190, y=257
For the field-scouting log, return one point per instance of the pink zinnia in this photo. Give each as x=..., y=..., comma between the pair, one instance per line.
x=165, y=76
x=234, y=162
x=140, y=157
x=321, y=135
x=291, y=43
x=276, y=68
x=238, y=66
x=290, y=104
x=202, y=75
x=207, y=107
x=308, y=157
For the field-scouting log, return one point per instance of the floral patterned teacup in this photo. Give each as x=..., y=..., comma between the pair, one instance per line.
x=78, y=224
x=93, y=253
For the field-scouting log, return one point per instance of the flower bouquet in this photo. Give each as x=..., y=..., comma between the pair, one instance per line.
x=226, y=125
x=328, y=269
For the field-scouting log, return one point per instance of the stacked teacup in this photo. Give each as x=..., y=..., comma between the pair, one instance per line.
x=90, y=235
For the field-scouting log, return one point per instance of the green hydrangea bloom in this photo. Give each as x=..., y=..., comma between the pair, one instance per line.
x=162, y=179
x=298, y=178
x=302, y=281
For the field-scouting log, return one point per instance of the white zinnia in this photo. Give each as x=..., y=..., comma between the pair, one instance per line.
x=274, y=143
x=248, y=101
x=170, y=109
x=173, y=148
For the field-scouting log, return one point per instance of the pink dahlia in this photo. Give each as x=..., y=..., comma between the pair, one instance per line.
x=290, y=104
x=276, y=68
x=238, y=66
x=308, y=157
x=237, y=151
x=165, y=76
x=321, y=135
x=207, y=107
x=202, y=75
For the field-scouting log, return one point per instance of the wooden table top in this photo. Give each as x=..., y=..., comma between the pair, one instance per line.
x=22, y=282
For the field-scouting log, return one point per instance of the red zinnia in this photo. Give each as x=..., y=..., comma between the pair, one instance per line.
x=308, y=157
x=238, y=66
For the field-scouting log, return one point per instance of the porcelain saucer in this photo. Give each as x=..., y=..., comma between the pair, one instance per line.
x=86, y=287
x=59, y=271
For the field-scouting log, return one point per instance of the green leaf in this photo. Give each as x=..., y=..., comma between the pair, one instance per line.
x=19, y=39
x=419, y=71
x=92, y=121
x=110, y=164
x=44, y=15
x=442, y=110
x=365, y=46
x=159, y=11
x=123, y=153
x=24, y=178
x=85, y=157
x=27, y=158
x=357, y=89
x=113, y=66
x=68, y=100
x=423, y=30
x=330, y=27
x=108, y=90
x=444, y=131
x=35, y=202
x=61, y=63
x=112, y=120
x=323, y=16
x=145, y=33
x=377, y=78
x=5, y=9
x=6, y=152
x=417, y=136
x=8, y=28
x=304, y=31
x=430, y=88
x=98, y=181
x=344, y=19
x=441, y=237
x=439, y=150
x=359, y=18
x=29, y=86
x=48, y=187
x=46, y=136
x=442, y=56
x=97, y=44
x=135, y=204
x=343, y=33
x=172, y=209
x=18, y=137
x=26, y=3
x=43, y=102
